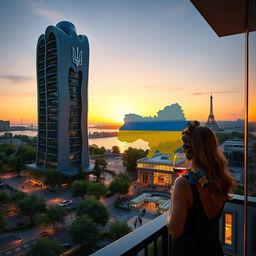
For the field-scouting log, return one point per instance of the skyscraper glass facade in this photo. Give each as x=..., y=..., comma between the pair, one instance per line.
x=62, y=76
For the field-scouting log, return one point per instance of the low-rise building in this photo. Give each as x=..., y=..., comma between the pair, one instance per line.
x=4, y=125
x=158, y=170
x=233, y=145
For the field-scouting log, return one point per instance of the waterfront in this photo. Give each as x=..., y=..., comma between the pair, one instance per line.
x=107, y=142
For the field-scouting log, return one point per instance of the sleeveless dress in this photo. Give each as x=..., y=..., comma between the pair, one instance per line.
x=200, y=236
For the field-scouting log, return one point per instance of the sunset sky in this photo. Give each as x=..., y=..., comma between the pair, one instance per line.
x=144, y=55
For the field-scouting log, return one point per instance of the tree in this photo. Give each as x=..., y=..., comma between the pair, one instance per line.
x=16, y=164
x=130, y=157
x=99, y=166
x=43, y=220
x=97, y=189
x=115, y=150
x=4, y=197
x=52, y=178
x=3, y=222
x=84, y=231
x=31, y=205
x=3, y=157
x=27, y=153
x=18, y=196
x=95, y=150
x=56, y=214
x=119, y=186
x=97, y=170
x=1, y=163
x=95, y=209
x=118, y=229
x=44, y=247
x=28, y=140
x=79, y=188
x=36, y=174
x=124, y=176
x=8, y=149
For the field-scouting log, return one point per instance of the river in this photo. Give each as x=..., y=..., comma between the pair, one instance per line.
x=107, y=142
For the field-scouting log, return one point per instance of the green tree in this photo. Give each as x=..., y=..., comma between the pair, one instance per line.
x=36, y=174
x=79, y=188
x=115, y=150
x=84, y=231
x=100, y=165
x=102, y=162
x=119, y=186
x=1, y=164
x=27, y=153
x=97, y=189
x=102, y=150
x=4, y=197
x=130, y=157
x=43, y=220
x=45, y=247
x=18, y=196
x=97, y=170
x=95, y=209
x=124, y=176
x=56, y=214
x=52, y=178
x=31, y=205
x=16, y=164
x=95, y=150
x=7, y=135
x=118, y=229
x=8, y=149
x=3, y=222
x=28, y=140
x=3, y=157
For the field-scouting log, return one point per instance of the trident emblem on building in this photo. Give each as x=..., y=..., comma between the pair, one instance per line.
x=77, y=56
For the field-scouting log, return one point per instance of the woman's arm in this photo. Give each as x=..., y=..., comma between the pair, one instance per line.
x=179, y=206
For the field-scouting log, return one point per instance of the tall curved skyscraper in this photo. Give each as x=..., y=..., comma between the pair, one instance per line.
x=62, y=90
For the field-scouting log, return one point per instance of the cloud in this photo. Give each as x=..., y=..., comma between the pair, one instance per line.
x=212, y=92
x=174, y=87
x=16, y=79
x=51, y=15
x=39, y=8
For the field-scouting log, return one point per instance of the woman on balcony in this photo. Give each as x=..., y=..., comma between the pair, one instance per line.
x=198, y=197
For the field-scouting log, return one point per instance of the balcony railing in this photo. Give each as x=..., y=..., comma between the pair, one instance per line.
x=150, y=239
x=153, y=237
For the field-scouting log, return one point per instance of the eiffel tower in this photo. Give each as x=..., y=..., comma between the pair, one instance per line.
x=211, y=123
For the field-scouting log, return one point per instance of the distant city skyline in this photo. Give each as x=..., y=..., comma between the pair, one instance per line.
x=144, y=56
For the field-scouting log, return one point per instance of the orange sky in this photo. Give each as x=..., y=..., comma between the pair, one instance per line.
x=143, y=57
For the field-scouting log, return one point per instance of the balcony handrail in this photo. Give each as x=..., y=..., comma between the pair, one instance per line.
x=127, y=243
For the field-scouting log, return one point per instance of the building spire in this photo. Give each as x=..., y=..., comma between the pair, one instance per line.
x=211, y=123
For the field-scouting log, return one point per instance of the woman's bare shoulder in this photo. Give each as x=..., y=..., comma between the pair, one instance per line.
x=181, y=183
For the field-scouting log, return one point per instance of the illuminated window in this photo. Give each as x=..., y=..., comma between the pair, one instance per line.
x=162, y=179
x=228, y=229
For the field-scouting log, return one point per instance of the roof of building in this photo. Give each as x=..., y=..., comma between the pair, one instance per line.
x=159, y=158
x=228, y=17
x=68, y=173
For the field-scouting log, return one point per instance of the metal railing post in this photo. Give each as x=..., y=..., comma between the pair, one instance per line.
x=246, y=94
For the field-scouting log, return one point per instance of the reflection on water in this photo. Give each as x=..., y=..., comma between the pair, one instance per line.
x=108, y=143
